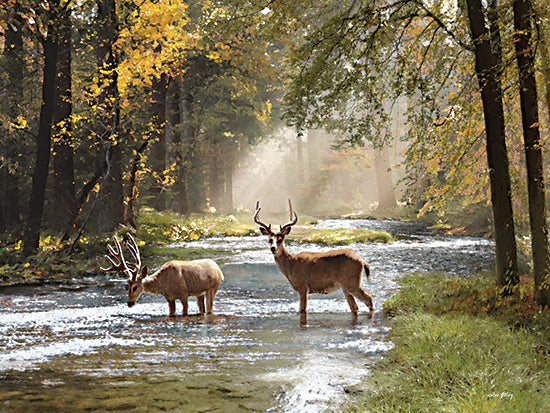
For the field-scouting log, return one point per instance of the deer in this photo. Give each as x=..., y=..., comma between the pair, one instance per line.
x=175, y=280
x=318, y=272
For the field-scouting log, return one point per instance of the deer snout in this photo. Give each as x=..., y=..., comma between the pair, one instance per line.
x=130, y=304
x=273, y=249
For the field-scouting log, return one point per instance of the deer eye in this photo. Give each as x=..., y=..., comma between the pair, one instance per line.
x=134, y=288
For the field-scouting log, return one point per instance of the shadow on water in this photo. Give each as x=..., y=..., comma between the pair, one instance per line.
x=79, y=349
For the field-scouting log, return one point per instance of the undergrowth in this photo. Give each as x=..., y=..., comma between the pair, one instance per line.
x=460, y=346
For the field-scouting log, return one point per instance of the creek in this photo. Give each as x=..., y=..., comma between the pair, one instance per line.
x=78, y=347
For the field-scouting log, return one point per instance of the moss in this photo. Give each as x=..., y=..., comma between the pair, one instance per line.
x=303, y=235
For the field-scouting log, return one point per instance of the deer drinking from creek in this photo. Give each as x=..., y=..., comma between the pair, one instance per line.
x=318, y=272
x=175, y=280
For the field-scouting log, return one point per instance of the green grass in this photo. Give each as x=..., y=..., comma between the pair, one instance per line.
x=460, y=347
x=303, y=235
x=165, y=227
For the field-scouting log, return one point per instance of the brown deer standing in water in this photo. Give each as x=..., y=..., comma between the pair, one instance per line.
x=175, y=280
x=318, y=272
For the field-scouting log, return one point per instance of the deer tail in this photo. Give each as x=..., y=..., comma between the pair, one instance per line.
x=367, y=270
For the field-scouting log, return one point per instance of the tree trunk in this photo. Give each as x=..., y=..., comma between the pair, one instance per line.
x=157, y=152
x=112, y=207
x=13, y=50
x=64, y=210
x=43, y=145
x=300, y=159
x=214, y=192
x=497, y=156
x=186, y=149
x=227, y=159
x=314, y=182
x=525, y=55
x=384, y=181
x=129, y=214
x=543, y=48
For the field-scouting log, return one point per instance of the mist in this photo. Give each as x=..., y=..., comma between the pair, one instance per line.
x=325, y=181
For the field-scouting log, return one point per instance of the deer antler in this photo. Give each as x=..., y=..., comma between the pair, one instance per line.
x=292, y=221
x=117, y=261
x=257, y=220
x=134, y=251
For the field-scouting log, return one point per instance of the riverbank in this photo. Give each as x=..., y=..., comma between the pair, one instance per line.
x=154, y=230
x=461, y=347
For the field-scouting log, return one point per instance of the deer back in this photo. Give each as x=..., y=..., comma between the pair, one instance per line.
x=324, y=271
x=192, y=276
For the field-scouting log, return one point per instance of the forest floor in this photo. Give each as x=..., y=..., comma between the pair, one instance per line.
x=460, y=346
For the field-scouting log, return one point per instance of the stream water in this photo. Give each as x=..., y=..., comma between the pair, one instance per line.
x=78, y=347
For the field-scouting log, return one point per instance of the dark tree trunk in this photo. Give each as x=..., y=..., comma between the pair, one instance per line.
x=194, y=158
x=525, y=55
x=43, y=146
x=543, y=33
x=157, y=151
x=180, y=134
x=129, y=214
x=64, y=208
x=112, y=207
x=384, y=181
x=13, y=50
x=487, y=66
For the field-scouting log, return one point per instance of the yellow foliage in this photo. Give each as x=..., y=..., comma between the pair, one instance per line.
x=154, y=42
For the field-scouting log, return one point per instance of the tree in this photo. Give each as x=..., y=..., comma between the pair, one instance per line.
x=525, y=55
x=111, y=210
x=65, y=209
x=49, y=41
x=158, y=152
x=487, y=69
x=10, y=166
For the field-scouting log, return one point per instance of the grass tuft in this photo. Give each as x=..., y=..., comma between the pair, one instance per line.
x=302, y=235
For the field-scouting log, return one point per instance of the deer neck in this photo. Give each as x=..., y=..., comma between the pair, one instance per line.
x=284, y=261
x=151, y=285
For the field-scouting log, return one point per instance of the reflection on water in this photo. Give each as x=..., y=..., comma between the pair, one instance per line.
x=84, y=349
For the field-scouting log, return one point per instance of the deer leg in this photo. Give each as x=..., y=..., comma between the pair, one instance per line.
x=200, y=303
x=351, y=302
x=210, y=299
x=352, y=306
x=303, y=307
x=172, y=308
x=303, y=301
x=362, y=295
x=183, y=300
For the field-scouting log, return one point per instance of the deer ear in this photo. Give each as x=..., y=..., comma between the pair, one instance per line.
x=142, y=273
x=264, y=231
x=285, y=231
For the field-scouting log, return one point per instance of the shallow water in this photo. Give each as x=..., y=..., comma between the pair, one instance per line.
x=78, y=348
